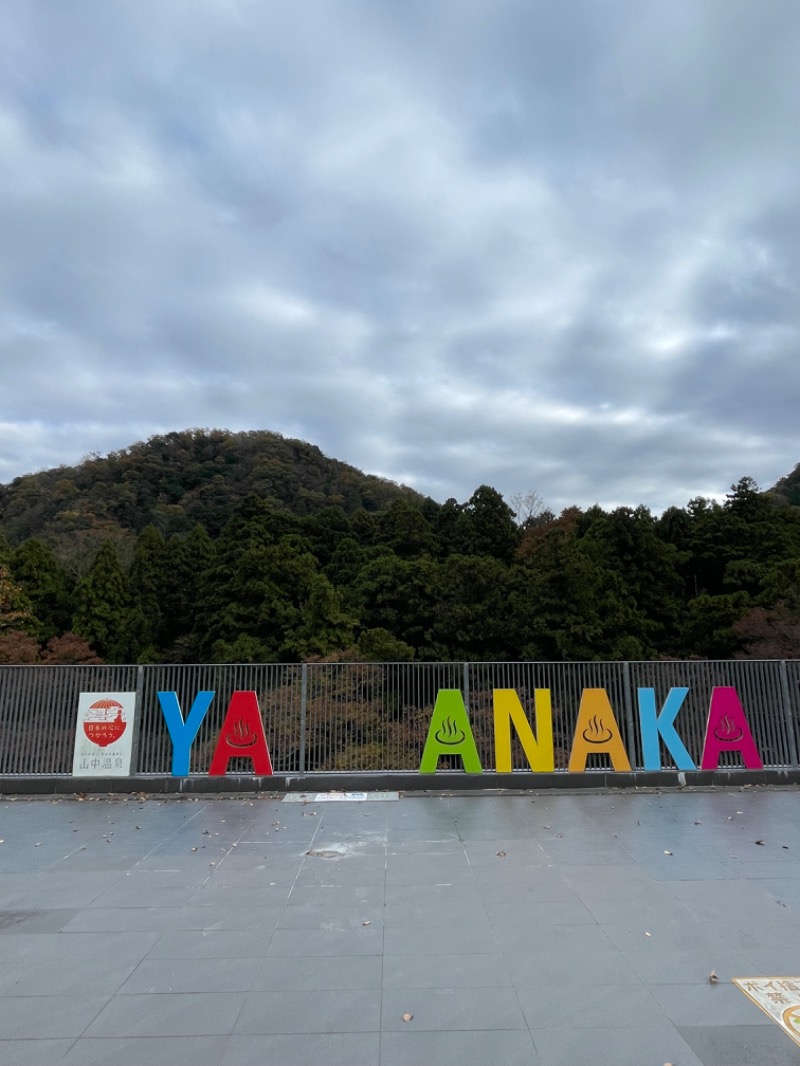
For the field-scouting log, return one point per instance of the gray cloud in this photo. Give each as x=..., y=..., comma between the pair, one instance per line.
x=532, y=245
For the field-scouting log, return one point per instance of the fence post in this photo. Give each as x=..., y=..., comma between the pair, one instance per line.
x=303, y=711
x=465, y=684
x=138, y=724
x=791, y=738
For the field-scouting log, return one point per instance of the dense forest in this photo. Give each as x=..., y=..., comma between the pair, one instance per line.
x=209, y=546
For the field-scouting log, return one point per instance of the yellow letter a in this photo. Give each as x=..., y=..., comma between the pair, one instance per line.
x=597, y=730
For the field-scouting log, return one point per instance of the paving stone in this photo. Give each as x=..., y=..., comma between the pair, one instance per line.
x=512, y=928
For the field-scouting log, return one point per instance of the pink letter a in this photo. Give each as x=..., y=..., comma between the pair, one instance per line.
x=727, y=730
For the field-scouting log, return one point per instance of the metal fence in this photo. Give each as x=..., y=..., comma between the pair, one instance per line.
x=374, y=716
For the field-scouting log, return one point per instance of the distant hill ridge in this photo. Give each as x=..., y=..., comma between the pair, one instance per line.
x=788, y=488
x=180, y=479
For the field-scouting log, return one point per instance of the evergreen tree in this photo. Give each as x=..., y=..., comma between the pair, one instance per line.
x=626, y=541
x=188, y=562
x=471, y=616
x=488, y=526
x=273, y=599
x=403, y=598
x=147, y=577
x=405, y=531
x=46, y=584
x=102, y=601
x=566, y=607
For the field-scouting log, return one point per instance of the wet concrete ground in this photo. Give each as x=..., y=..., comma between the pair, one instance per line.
x=556, y=929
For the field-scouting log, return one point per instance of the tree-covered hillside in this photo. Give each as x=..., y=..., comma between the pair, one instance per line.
x=179, y=480
x=283, y=555
x=787, y=490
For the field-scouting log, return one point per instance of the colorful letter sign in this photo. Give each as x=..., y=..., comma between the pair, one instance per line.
x=661, y=725
x=597, y=731
x=182, y=733
x=538, y=750
x=105, y=726
x=727, y=730
x=450, y=734
x=242, y=737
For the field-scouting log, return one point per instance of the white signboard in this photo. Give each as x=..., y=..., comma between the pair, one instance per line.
x=104, y=734
x=779, y=997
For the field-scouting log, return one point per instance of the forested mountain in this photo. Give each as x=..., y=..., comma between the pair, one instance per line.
x=177, y=481
x=208, y=546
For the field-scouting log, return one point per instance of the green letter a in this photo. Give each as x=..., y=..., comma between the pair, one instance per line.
x=450, y=734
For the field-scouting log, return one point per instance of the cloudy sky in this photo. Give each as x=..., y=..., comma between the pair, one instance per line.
x=547, y=246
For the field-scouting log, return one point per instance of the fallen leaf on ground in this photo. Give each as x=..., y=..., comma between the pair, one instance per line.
x=647, y=934
x=760, y=843
x=667, y=852
x=366, y=923
x=501, y=854
x=712, y=978
x=407, y=1017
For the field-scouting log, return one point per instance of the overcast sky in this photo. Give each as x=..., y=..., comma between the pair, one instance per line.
x=547, y=246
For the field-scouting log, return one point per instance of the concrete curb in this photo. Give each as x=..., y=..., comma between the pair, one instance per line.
x=405, y=781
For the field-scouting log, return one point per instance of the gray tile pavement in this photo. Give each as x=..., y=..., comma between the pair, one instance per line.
x=537, y=929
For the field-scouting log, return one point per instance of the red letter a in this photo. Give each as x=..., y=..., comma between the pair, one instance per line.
x=242, y=736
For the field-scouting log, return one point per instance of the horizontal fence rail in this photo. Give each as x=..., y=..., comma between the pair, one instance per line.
x=359, y=717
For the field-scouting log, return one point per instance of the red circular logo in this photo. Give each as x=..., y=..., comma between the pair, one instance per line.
x=105, y=722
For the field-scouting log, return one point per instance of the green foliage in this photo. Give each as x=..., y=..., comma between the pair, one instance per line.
x=46, y=584
x=101, y=615
x=577, y=608
x=378, y=645
x=187, y=563
x=627, y=542
x=207, y=545
x=16, y=609
x=178, y=480
x=488, y=527
x=403, y=598
x=473, y=620
x=265, y=585
x=405, y=531
x=709, y=628
x=147, y=577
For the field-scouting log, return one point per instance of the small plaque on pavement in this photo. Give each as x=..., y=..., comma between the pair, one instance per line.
x=339, y=797
x=779, y=997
